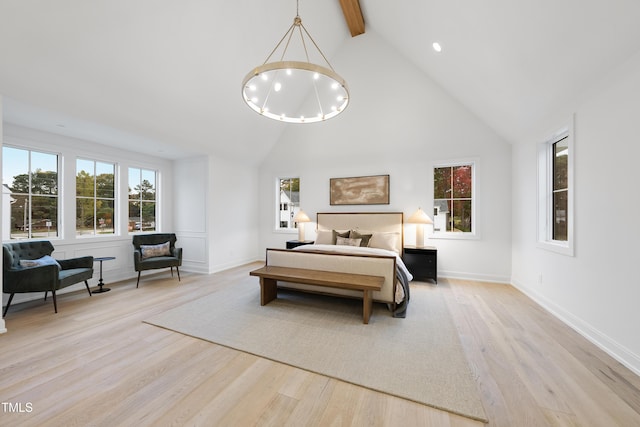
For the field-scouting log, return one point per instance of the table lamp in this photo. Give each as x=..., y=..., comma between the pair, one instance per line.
x=420, y=218
x=301, y=218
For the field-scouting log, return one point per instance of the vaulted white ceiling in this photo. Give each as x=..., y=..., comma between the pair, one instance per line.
x=164, y=76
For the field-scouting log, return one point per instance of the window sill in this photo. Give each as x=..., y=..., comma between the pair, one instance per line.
x=454, y=236
x=286, y=230
x=94, y=236
x=559, y=248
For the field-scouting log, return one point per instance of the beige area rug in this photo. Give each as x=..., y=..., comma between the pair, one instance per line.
x=419, y=358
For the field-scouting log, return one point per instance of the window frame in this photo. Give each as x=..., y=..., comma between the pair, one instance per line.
x=141, y=200
x=95, y=198
x=278, y=205
x=30, y=194
x=461, y=235
x=545, y=238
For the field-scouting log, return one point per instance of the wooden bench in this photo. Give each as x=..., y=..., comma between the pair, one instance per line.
x=269, y=276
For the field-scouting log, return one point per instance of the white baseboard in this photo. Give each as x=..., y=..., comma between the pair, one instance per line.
x=446, y=274
x=198, y=268
x=601, y=340
x=221, y=267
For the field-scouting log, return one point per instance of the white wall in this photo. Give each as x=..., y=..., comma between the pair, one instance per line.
x=191, y=181
x=596, y=291
x=234, y=213
x=399, y=122
x=67, y=245
x=216, y=204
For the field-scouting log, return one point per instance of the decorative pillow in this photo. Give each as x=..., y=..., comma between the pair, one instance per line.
x=365, y=237
x=324, y=237
x=150, y=251
x=45, y=260
x=337, y=234
x=345, y=241
x=383, y=240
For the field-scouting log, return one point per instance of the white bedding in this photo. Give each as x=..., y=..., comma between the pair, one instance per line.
x=359, y=250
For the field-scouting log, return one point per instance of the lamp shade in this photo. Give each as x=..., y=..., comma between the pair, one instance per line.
x=419, y=217
x=301, y=217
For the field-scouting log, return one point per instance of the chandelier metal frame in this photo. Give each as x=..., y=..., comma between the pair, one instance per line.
x=265, y=87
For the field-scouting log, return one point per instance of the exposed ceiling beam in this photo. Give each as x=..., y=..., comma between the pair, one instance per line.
x=353, y=15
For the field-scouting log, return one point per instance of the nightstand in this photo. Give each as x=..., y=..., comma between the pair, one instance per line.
x=422, y=262
x=295, y=243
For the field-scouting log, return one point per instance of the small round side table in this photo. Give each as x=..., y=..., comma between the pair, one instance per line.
x=100, y=282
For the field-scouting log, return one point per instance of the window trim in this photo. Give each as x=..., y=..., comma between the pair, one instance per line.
x=156, y=200
x=465, y=235
x=545, y=192
x=60, y=196
x=116, y=226
x=277, y=227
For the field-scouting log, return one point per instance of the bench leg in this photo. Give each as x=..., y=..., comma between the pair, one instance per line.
x=367, y=305
x=268, y=290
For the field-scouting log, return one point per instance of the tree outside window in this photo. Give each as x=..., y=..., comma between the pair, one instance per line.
x=142, y=200
x=95, y=198
x=30, y=190
x=453, y=198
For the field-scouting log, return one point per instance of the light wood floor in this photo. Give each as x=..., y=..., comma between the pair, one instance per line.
x=95, y=363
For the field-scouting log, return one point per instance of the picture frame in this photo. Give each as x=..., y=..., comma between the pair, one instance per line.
x=359, y=190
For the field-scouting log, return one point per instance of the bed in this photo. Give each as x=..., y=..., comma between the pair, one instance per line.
x=379, y=239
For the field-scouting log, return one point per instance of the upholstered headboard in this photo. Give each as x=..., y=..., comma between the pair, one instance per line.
x=387, y=222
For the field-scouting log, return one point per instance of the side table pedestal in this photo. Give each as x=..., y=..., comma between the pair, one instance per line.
x=101, y=282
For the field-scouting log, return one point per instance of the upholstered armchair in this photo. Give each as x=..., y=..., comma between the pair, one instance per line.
x=29, y=267
x=158, y=250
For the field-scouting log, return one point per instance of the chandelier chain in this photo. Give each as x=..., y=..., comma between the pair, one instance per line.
x=290, y=30
x=317, y=47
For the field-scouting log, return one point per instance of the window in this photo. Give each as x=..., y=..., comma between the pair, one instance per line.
x=95, y=198
x=288, y=202
x=30, y=190
x=555, y=190
x=142, y=200
x=560, y=189
x=453, y=199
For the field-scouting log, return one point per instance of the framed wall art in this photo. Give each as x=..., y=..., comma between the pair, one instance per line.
x=360, y=190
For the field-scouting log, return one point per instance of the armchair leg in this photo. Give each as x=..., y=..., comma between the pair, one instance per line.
x=87, y=285
x=178, y=270
x=55, y=303
x=171, y=271
x=45, y=295
x=8, y=304
x=138, y=278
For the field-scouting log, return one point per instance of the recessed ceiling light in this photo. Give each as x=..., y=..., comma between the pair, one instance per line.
x=437, y=47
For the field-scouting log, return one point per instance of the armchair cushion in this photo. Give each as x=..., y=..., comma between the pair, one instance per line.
x=45, y=260
x=151, y=251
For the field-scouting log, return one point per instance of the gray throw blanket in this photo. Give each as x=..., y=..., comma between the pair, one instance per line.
x=401, y=308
